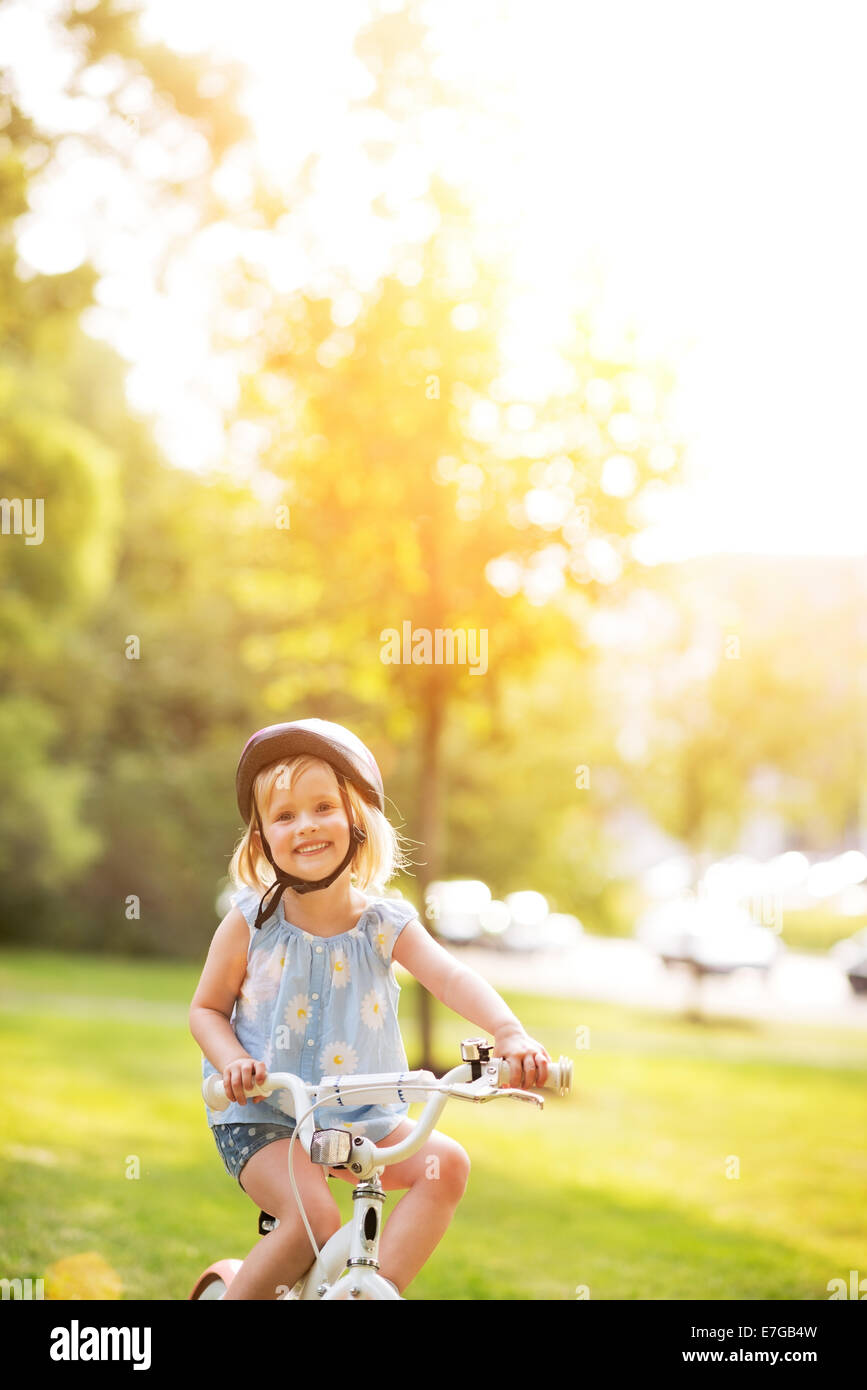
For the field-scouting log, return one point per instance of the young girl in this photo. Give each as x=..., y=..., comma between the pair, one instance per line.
x=298, y=978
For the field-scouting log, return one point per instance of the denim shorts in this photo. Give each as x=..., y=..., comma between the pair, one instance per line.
x=238, y=1143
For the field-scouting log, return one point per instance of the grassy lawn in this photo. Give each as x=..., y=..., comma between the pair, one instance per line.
x=623, y=1187
x=817, y=929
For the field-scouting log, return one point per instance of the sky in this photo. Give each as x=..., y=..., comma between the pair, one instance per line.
x=692, y=172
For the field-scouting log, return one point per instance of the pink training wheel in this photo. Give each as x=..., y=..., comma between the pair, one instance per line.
x=215, y=1280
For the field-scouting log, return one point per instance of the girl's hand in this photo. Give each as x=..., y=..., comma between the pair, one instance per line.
x=241, y=1075
x=528, y=1060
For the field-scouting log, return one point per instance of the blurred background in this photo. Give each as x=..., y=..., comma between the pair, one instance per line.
x=503, y=320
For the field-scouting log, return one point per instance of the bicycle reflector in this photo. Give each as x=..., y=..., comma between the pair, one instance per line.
x=331, y=1147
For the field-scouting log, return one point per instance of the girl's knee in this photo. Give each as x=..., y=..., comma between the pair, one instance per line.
x=454, y=1170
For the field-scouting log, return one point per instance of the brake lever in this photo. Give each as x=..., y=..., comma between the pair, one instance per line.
x=519, y=1095
x=486, y=1091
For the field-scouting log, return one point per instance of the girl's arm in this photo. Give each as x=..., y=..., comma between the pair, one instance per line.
x=212, y=1003
x=467, y=993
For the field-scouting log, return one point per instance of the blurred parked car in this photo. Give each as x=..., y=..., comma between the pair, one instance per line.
x=462, y=911
x=857, y=975
x=453, y=908
x=559, y=931
x=851, y=956
x=714, y=938
x=458, y=927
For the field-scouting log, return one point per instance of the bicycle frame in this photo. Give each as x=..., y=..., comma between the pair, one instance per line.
x=347, y=1265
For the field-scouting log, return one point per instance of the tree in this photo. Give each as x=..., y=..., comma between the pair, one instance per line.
x=61, y=433
x=410, y=515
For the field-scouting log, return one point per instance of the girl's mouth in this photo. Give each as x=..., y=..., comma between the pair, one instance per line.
x=315, y=850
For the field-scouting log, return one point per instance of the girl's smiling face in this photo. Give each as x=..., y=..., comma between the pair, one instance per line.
x=307, y=826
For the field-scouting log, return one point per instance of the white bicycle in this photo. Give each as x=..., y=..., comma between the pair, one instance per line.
x=347, y=1265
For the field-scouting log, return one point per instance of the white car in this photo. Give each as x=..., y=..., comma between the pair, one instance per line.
x=453, y=908
x=851, y=951
x=459, y=927
x=715, y=938
x=851, y=956
x=559, y=931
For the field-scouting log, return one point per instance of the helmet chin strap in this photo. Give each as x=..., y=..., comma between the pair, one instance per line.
x=285, y=880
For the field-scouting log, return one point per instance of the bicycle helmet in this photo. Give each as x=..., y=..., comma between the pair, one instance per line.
x=338, y=747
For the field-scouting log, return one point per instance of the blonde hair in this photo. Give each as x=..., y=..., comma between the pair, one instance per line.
x=376, y=861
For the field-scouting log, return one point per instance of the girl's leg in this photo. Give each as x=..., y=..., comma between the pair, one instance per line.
x=284, y=1254
x=436, y=1177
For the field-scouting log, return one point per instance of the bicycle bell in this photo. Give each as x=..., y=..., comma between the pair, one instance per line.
x=476, y=1051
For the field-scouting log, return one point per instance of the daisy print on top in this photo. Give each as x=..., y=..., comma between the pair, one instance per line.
x=383, y=939
x=262, y=981
x=339, y=970
x=373, y=1007
x=297, y=1013
x=338, y=1059
x=320, y=1006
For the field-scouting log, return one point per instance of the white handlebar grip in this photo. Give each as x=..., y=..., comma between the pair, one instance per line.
x=563, y=1079
x=214, y=1093
x=559, y=1076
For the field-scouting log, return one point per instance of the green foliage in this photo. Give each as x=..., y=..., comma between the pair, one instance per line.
x=164, y=616
x=756, y=703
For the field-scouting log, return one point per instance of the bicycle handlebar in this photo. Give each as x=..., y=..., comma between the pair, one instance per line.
x=368, y=1159
x=387, y=1088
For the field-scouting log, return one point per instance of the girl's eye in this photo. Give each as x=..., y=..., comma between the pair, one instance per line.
x=323, y=806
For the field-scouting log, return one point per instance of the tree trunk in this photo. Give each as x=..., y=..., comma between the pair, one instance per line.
x=430, y=801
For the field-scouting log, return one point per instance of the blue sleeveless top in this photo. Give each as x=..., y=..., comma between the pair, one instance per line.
x=320, y=1006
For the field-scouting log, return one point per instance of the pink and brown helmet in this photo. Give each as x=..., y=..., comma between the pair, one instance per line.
x=338, y=746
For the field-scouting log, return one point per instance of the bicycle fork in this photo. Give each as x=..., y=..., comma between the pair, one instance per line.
x=362, y=1278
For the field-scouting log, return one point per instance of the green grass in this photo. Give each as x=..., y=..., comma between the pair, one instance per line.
x=817, y=929
x=621, y=1187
